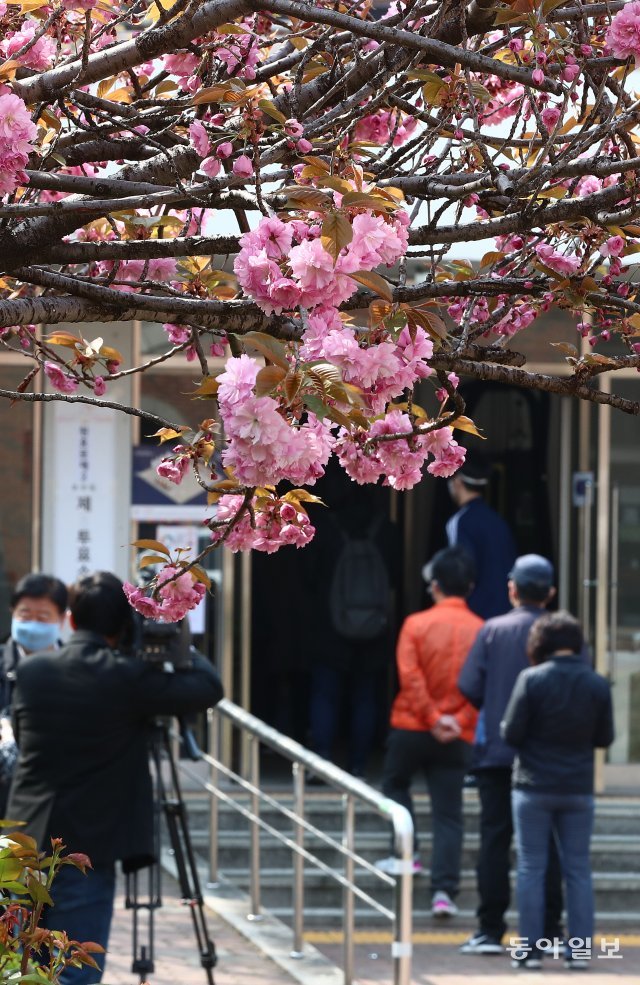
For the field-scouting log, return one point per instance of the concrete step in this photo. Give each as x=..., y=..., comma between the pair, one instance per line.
x=609, y=853
x=615, y=856
x=619, y=816
x=616, y=893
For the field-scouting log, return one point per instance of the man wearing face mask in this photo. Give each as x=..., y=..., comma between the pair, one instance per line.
x=38, y=607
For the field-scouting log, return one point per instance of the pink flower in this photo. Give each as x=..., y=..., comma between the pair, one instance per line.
x=60, y=380
x=293, y=128
x=177, y=333
x=557, y=261
x=40, y=55
x=623, y=34
x=142, y=603
x=174, y=469
x=224, y=150
x=538, y=76
x=243, y=166
x=304, y=146
x=211, y=167
x=99, y=386
x=613, y=247
x=550, y=116
x=200, y=138
x=570, y=72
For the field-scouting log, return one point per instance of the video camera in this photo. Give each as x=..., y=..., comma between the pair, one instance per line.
x=166, y=645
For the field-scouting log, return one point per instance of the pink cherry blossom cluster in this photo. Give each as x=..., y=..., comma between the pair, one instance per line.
x=39, y=56
x=60, y=380
x=174, y=598
x=400, y=461
x=623, y=35
x=505, y=99
x=382, y=370
x=263, y=447
x=240, y=54
x=378, y=128
x=162, y=269
x=563, y=263
x=17, y=131
x=276, y=524
x=284, y=265
x=175, y=468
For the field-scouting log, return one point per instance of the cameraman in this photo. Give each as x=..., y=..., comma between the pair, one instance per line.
x=81, y=716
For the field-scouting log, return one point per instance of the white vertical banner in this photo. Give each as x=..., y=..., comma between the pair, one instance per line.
x=86, y=485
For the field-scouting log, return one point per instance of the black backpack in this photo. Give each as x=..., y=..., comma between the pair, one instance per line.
x=359, y=592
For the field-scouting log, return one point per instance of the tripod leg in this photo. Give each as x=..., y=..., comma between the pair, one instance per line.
x=143, y=963
x=180, y=840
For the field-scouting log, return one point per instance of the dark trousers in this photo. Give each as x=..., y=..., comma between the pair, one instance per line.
x=443, y=765
x=83, y=908
x=329, y=687
x=496, y=833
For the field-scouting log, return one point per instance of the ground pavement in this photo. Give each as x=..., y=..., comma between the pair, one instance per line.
x=437, y=960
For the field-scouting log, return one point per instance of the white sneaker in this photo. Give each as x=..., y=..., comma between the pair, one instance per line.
x=389, y=865
x=443, y=906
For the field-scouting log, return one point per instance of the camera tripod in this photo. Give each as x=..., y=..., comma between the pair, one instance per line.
x=170, y=804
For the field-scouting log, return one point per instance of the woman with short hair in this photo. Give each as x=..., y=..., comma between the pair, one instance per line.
x=559, y=712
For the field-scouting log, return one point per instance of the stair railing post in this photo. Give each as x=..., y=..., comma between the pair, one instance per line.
x=298, y=861
x=213, y=730
x=402, y=946
x=348, y=842
x=254, y=779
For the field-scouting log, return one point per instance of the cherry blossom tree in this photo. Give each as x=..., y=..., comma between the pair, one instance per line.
x=300, y=187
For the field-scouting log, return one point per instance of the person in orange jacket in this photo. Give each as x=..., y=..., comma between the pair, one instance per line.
x=432, y=724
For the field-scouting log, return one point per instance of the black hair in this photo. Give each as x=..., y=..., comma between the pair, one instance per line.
x=532, y=594
x=98, y=604
x=554, y=631
x=37, y=586
x=454, y=571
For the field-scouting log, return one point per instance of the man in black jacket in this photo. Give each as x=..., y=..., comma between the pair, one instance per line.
x=81, y=717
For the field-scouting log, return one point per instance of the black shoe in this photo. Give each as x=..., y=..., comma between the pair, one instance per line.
x=531, y=962
x=482, y=944
x=577, y=964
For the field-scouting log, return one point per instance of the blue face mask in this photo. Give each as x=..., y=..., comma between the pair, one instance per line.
x=32, y=635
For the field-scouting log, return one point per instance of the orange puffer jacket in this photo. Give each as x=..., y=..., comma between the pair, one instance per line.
x=431, y=650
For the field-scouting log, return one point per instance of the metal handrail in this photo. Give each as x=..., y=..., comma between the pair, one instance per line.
x=354, y=791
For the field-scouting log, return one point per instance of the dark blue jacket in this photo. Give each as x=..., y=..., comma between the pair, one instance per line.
x=558, y=713
x=485, y=535
x=490, y=671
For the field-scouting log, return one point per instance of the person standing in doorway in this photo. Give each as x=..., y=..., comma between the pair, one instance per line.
x=484, y=534
x=432, y=724
x=497, y=656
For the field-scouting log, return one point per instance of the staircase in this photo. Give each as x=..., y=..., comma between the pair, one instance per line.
x=615, y=859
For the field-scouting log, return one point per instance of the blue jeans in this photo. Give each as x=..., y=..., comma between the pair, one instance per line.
x=570, y=817
x=83, y=907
